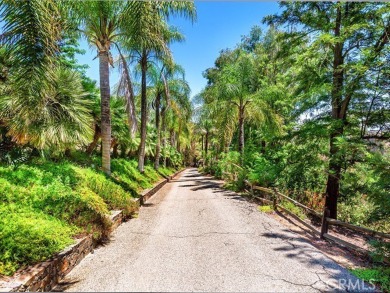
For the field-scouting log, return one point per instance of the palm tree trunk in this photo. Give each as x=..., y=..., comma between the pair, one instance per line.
x=158, y=147
x=115, y=146
x=241, y=136
x=105, y=111
x=96, y=137
x=141, y=150
x=164, y=141
x=206, y=143
x=123, y=150
x=178, y=139
x=130, y=107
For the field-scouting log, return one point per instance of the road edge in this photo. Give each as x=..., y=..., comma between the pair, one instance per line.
x=46, y=275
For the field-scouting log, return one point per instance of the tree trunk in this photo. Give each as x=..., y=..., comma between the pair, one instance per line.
x=105, y=111
x=172, y=137
x=263, y=146
x=68, y=153
x=129, y=94
x=206, y=143
x=141, y=150
x=334, y=173
x=178, y=146
x=123, y=151
x=158, y=147
x=163, y=136
x=241, y=137
x=96, y=137
x=115, y=146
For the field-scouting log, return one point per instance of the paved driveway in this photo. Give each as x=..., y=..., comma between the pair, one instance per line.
x=194, y=236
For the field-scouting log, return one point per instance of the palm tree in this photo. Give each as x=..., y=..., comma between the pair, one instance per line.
x=170, y=91
x=152, y=42
x=58, y=120
x=102, y=24
x=42, y=103
x=31, y=32
x=234, y=91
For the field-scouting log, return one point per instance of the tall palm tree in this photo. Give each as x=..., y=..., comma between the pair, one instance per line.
x=101, y=23
x=152, y=42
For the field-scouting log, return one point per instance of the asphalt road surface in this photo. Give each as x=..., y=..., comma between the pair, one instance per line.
x=194, y=236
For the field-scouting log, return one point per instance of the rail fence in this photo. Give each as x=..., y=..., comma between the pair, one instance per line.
x=276, y=198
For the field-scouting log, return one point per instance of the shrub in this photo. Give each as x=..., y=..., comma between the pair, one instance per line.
x=355, y=211
x=44, y=204
x=294, y=209
x=28, y=236
x=375, y=275
x=381, y=250
x=265, y=209
x=263, y=172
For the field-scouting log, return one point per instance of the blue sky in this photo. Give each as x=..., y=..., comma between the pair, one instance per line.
x=219, y=25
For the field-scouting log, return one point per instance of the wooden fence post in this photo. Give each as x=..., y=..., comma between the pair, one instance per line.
x=325, y=225
x=275, y=200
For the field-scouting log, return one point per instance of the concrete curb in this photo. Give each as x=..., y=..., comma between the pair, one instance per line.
x=148, y=193
x=45, y=276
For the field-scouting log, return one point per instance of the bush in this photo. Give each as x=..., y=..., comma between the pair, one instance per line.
x=355, y=211
x=263, y=172
x=265, y=209
x=381, y=250
x=28, y=236
x=294, y=209
x=126, y=174
x=44, y=204
x=376, y=275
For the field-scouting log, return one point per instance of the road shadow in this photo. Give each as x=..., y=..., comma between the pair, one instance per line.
x=300, y=249
x=214, y=186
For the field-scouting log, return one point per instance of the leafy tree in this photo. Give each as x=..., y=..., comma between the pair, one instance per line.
x=355, y=37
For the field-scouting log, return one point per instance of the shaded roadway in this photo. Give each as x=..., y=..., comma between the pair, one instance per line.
x=194, y=236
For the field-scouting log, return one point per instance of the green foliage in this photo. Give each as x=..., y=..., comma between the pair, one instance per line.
x=294, y=209
x=126, y=174
x=227, y=166
x=44, y=204
x=265, y=209
x=379, y=189
x=57, y=119
x=263, y=172
x=381, y=250
x=28, y=235
x=356, y=211
x=375, y=275
x=175, y=158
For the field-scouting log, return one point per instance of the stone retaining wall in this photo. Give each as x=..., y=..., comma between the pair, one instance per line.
x=46, y=275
